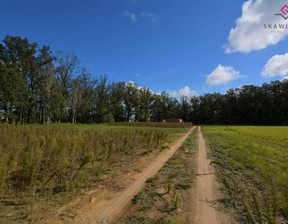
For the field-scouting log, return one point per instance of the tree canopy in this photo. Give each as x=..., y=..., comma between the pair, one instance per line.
x=37, y=86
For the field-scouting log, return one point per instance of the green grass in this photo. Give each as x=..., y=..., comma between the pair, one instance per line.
x=170, y=221
x=252, y=164
x=140, y=197
x=176, y=161
x=150, y=180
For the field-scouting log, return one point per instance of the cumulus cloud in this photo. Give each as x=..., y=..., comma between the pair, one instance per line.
x=222, y=75
x=131, y=83
x=249, y=33
x=149, y=15
x=285, y=79
x=277, y=65
x=186, y=91
x=131, y=15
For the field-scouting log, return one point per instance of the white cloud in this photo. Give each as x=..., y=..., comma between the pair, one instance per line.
x=249, y=33
x=222, y=75
x=151, y=16
x=277, y=65
x=157, y=93
x=131, y=83
x=285, y=79
x=134, y=19
x=186, y=91
x=137, y=75
x=131, y=15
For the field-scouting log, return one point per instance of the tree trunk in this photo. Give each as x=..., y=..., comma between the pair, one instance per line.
x=6, y=113
x=6, y=117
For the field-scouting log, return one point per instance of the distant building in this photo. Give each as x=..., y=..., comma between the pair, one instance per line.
x=2, y=117
x=172, y=121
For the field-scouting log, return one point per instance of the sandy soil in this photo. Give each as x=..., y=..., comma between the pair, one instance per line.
x=205, y=201
x=113, y=205
x=208, y=195
x=157, y=205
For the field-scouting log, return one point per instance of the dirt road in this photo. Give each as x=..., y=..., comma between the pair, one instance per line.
x=207, y=190
x=108, y=210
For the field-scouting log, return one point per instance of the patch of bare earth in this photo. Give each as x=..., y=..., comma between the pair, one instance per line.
x=114, y=194
x=209, y=209
x=168, y=196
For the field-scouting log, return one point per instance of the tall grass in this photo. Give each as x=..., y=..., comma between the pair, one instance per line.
x=152, y=124
x=40, y=161
x=253, y=164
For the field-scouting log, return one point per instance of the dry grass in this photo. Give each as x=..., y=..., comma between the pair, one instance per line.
x=165, y=198
x=43, y=167
x=152, y=124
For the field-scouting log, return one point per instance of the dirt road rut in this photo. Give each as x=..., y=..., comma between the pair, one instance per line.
x=108, y=211
x=208, y=194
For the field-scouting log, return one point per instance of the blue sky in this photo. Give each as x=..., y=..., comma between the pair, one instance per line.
x=183, y=47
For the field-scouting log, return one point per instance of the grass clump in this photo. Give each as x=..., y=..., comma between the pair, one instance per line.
x=151, y=179
x=184, y=186
x=175, y=161
x=172, y=221
x=140, y=197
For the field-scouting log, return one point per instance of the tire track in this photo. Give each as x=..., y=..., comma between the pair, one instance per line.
x=207, y=189
x=108, y=211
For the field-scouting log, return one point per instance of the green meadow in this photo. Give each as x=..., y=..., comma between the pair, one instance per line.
x=252, y=164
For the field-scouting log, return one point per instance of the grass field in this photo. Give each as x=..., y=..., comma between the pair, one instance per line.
x=252, y=164
x=44, y=167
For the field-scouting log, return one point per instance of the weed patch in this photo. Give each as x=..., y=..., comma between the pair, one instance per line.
x=175, y=161
x=42, y=167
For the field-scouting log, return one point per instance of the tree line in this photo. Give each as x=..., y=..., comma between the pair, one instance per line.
x=38, y=86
